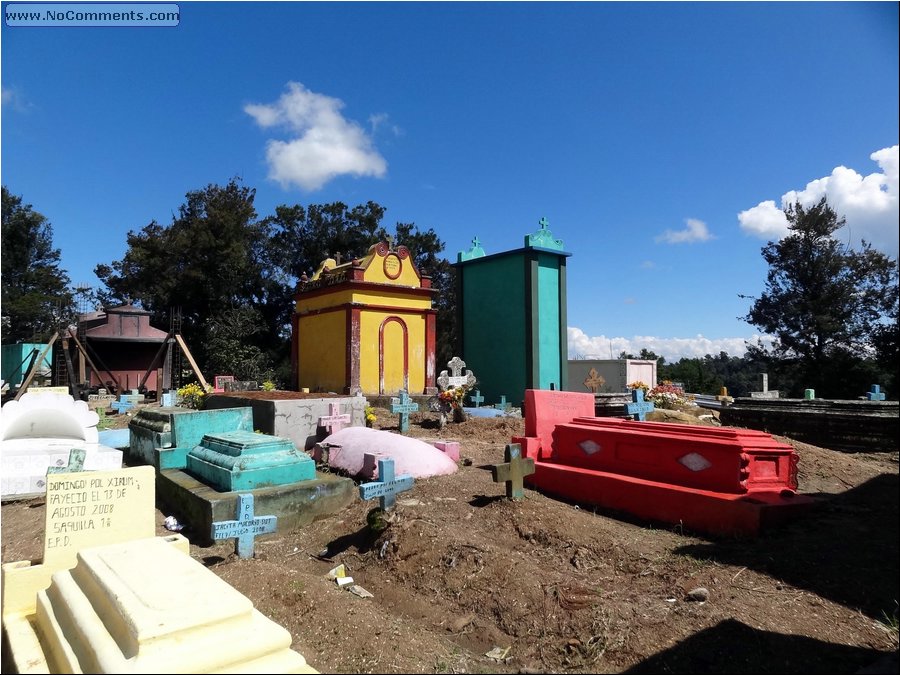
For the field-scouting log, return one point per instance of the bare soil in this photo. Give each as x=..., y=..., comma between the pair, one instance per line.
x=562, y=587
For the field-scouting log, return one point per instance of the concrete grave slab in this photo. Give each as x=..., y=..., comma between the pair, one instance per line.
x=38, y=432
x=292, y=415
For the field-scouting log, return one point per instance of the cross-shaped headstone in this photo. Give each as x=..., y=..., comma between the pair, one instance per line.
x=334, y=421
x=387, y=486
x=404, y=405
x=639, y=407
x=477, y=398
x=76, y=462
x=456, y=366
x=875, y=394
x=513, y=472
x=337, y=258
x=503, y=405
x=390, y=242
x=245, y=528
x=594, y=380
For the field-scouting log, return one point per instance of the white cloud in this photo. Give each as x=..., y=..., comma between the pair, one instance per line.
x=12, y=98
x=696, y=230
x=326, y=145
x=869, y=204
x=580, y=345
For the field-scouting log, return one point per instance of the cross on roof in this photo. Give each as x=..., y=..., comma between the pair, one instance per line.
x=513, y=472
x=475, y=242
x=544, y=223
x=246, y=528
x=387, y=486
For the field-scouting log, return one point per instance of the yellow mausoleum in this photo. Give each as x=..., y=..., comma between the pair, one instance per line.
x=365, y=326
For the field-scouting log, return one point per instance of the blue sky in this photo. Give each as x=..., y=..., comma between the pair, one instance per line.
x=659, y=139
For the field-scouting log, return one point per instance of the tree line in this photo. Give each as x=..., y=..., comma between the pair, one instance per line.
x=232, y=275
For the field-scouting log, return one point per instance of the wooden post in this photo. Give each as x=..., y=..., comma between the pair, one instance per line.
x=190, y=358
x=34, y=368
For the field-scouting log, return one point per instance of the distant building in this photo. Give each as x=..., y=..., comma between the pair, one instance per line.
x=121, y=340
x=617, y=374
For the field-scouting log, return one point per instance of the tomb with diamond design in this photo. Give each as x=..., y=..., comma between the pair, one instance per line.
x=711, y=479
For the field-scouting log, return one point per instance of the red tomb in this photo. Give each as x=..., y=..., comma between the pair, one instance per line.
x=714, y=480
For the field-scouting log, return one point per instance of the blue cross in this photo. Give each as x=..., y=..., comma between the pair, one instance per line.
x=503, y=405
x=245, y=528
x=639, y=408
x=876, y=394
x=387, y=486
x=404, y=405
x=477, y=398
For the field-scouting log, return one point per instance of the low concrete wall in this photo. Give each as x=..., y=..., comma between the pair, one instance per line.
x=850, y=426
x=293, y=418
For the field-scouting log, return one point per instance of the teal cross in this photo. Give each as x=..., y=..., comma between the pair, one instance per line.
x=876, y=394
x=503, y=405
x=477, y=398
x=475, y=242
x=387, y=486
x=76, y=462
x=404, y=405
x=639, y=407
x=245, y=528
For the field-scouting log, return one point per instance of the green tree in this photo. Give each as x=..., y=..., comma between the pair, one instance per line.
x=214, y=258
x=36, y=298
x=825, y=304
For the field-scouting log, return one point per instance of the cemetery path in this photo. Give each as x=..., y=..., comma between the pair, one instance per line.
x=461, y=572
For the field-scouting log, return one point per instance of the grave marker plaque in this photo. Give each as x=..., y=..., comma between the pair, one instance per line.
x=94, y=508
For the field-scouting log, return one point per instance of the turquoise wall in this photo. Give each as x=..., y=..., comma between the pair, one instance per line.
x=14, y=359
x=547, y=317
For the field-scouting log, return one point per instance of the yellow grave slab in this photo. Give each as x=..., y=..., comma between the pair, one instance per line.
x=133, y=602
x=108, y=615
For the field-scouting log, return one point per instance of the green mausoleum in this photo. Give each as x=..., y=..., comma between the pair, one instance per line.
x=512, y=316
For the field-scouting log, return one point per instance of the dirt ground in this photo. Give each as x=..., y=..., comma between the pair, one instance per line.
x=561, y=587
